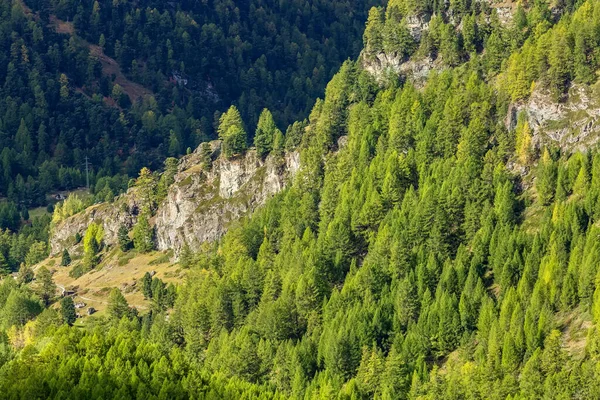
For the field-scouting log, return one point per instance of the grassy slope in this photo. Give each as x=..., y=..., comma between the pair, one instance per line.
x=93, y=287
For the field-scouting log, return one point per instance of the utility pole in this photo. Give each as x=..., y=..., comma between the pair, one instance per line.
x=87, y=174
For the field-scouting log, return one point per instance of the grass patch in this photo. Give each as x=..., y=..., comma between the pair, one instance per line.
x=78, y=271
x=185, y=182
x=162, y=259
x=125, y=258
x=103, y=292
x=37, y=212
x=171, y=274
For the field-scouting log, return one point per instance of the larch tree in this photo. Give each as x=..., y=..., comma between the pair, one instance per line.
x=232, y=132
x=266, y=131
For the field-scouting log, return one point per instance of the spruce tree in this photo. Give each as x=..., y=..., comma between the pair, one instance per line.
x=67, y=310
x=66, y=258
x=205, y=156
x=147, y=285
x=124, y=240
x=265, y=134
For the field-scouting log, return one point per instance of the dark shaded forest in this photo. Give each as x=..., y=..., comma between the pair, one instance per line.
x=58, y=106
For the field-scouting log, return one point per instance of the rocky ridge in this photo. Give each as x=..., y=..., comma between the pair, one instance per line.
x=199, y=205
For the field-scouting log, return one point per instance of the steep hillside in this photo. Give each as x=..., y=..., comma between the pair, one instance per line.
x=199, y=204
x=109, y=87
x=429, y=236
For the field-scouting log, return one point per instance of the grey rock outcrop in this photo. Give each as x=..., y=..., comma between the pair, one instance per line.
x=414, y=70
x=199, y=205
x=571, y=124
x=110, y=215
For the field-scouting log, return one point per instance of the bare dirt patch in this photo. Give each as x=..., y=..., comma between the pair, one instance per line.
x=575, y=326
x=110, y=67
x=61, y=26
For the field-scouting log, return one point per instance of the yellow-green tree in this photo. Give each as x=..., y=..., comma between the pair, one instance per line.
x=92, y=242
x=232, y=133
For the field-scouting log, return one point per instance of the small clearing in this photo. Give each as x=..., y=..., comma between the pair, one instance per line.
x=94, y=287
x=575, y=326
x=60, y=26
x=110, y=67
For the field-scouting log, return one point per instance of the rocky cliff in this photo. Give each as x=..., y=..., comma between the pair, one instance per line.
x=199, y=205
x=415, y=70
x=571, y=124
x=123, y=211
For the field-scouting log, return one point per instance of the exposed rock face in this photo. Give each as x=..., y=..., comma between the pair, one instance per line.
x=199, y=205
x=381, y=64
x=572, y=125
x=416, y=24
x=413, y=70
x=416, y=70
x=111, y=215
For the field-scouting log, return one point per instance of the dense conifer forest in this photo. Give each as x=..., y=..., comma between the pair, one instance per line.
x=173, y=67
x=426, y=249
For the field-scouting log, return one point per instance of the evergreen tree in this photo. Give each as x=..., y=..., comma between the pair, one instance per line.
x=146, y=182
x=278, y=144
x=186, y=257
x=23, y=141
x=143, y=234
x=545, y=183
x=373, y=36
x=37, y=252
x=266, y=131
x=4, y=267
x=46, y=287
x=117, y=305
x=26, y=274
x=123, y=238
x=91, y=245
x=206, y=156
x=66, y=258
x=523, y=140
x=147, y=285
x=67, y=310
x=232, y=133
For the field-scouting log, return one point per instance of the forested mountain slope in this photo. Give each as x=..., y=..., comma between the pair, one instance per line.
x=431, y=246
x=127, y=84
x=103, y=87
